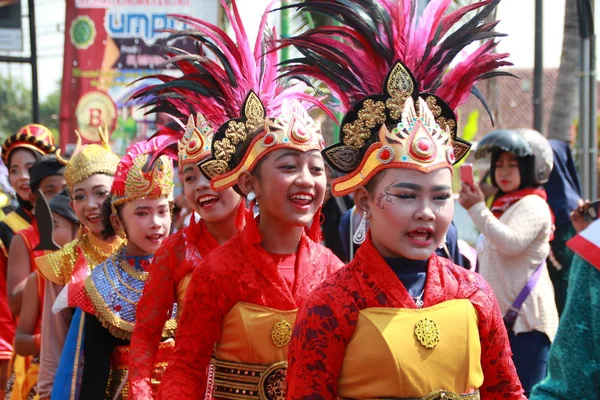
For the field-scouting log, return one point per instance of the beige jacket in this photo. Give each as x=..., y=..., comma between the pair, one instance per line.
x=509, y=250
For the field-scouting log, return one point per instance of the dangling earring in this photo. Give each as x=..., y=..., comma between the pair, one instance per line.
x=121, y=233
x=361, y=233
x=253, y=203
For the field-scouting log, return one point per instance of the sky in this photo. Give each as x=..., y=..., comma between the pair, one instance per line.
x=517, y=20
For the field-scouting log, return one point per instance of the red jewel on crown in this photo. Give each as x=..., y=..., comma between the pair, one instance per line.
x=385, y=154
x=193, y=143
x=299, y=133
x=117, y=307
x=450, y=155
x=424, y=145
x=269, y=140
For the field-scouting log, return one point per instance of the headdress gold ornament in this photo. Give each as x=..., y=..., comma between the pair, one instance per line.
x=90, y=159
x=293, y=128
x=415, y=131
x=196, y=142
x=135, y=180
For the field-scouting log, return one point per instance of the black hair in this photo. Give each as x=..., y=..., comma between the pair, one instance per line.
x=108, y=230
x=46, y=166
x=34, y=153
x=526, y=172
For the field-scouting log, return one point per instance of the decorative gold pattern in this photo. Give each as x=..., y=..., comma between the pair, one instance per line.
x=345, y=158
x=281, y=333
x=240, y=381
x=293, y=128
x=433, y=105
x=427, y=333
x=156, y=183
x=116, y=325
x=212, y=168
x=223, y=149
x=395, y=105
x=272, y=384
x=194, y=146
x=399, y=82
x=236, y=132
x=418, y=142
x=370, y=115
x=89, y=160
x=58, y=266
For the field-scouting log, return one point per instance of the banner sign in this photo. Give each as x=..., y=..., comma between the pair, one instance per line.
x=109, y=44
x=11, y=34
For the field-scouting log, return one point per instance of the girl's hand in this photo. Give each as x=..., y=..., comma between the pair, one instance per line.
x=470, y=195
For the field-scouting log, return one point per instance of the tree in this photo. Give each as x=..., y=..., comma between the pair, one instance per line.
x=15, y=108
x=564, y=104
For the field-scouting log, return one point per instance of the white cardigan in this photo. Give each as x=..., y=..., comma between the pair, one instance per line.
x=509, y=251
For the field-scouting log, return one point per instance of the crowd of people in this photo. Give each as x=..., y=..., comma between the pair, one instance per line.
x=293, y=270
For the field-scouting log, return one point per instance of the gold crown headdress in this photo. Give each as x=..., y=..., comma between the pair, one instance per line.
x=423, y=134
x=89, y=159
x=238, y=91
x=393, y=68
x=136, y=178
x=292, y=128
x=195, y=144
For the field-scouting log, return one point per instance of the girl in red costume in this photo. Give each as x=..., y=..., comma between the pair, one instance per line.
x=19, y=153
x=180, y=253
x=138, y=209
x=399, y=322
x=242, y=298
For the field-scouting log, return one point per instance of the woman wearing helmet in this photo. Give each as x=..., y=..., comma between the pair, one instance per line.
x=515, y=243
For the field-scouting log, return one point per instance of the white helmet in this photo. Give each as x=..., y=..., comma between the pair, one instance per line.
x=521, y=143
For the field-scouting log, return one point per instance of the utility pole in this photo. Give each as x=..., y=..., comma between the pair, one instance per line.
x=538, y=69
x=588, y=135
x=32, y=59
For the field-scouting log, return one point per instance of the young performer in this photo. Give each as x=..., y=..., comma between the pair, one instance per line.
x=138, y=209
x=243, y=296
x=47, y=175
x=89, y=176
x=399, y=322
x=19, y=153
x=47, y=178
x=28, y=335
x=222, y=216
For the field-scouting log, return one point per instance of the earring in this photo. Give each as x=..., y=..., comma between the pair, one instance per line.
x=361, y=233
x=253, y=203
x=121, y=233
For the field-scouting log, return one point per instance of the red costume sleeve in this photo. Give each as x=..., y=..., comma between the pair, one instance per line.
x=153, y=310
x=7, y=323
x=197, y=331
x=500, y=376
x=323, y=327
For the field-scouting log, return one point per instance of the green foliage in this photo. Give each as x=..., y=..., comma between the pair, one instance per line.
x=15, y=108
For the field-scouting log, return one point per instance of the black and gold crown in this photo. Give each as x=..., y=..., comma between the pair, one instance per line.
x=397, y=79
x=241, y=143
